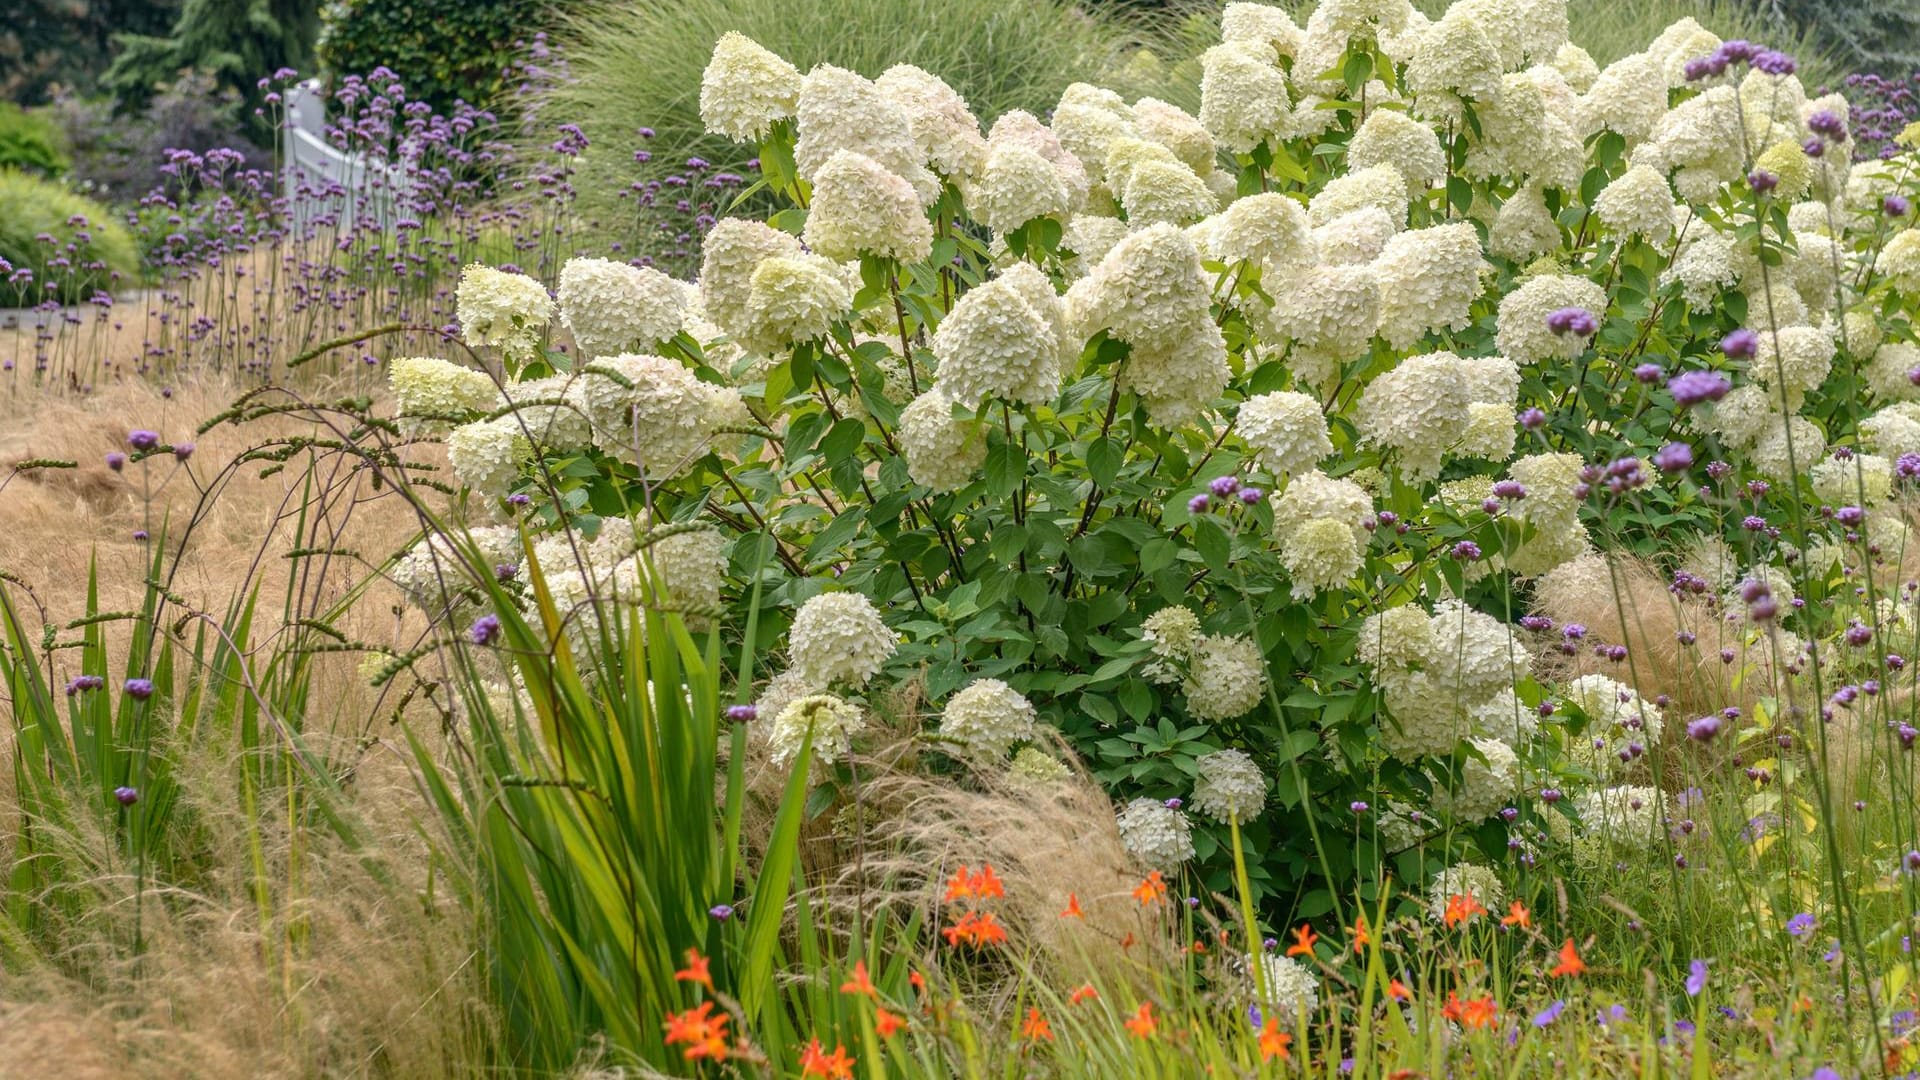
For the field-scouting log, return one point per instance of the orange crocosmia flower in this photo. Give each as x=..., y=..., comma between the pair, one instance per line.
x=1274, y=1042
x=1473, y=1013
x=1517, y=915
x=1073, y=910
x=1361, y=939
x=1142, y=1023
x=1462, y=907
x=918, y=980
x=976, y=928
x=1151, y=889
x=704, y=1034
x=814, y=1061
x=985, y=884
x=1199, y=948
x=1303, y=939
x=1035, y=1027
x=887, y=1023
x=1570, y=962
x=1086, y=992
x=959, y=886
x=696, y=970
x=859, y=983
x=1129, y=941
x=1398, y=991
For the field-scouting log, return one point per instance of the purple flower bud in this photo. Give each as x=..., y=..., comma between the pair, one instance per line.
x=1536, y=623
x=116, y=461
x=126, y=796
x=1508, y=814
x=1533, y=419
x=1859, y=634
x=1704, y=729
x=519, y=498
x=1509, y=489
x=182, y=450
x=1224, y=486
x=1813, y=148
x=1774, y=62
x=1691, y=388
x=1763, y=609
x=1174, y=804
x=1357, y=807
x=142, y=439
x=1250, y=496
x=1198, y=504
x=1697, y=69
x=1895, y=206
x=139, y=689
x=1647, y=373
x=722, y=912
x=1550, y=795
x=1762, y=181
x=1850, y=515
x=1742, y=344
x=1572, y=320
x=484, y=630
x=1828, y=123
x=1466, y=551
x=1674, y=457
x=1574, y=631
x=741, y=714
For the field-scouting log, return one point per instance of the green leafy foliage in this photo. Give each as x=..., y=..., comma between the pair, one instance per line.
x=442, y=50
x=89, y=252
x=30, y=142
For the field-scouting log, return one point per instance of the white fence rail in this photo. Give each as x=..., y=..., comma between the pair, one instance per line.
x=319, y=181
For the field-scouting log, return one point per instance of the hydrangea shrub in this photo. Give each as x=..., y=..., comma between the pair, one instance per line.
x=1240, y=448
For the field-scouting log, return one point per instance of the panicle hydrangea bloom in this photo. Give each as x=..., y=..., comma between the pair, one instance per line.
x=1286, y=431
x=988, y=717
x=1172, y=632
x=1292, y=987
x=1157, y=835
x=746, y=89
x=731, y=251
x=656, y=415
x=1390, y=137
x=501, y=310
x=1151, y=292
x=1017, y=184
x=1625, y=816
x=1617, y=716
x=1267, y=229
x=1481, y=883
x=1800, y=363
x=1786, y=447
x=791, y=300
x=1704, y=268
x=1164, y=191
x=1454, y=59
x=1629, y=96
x=1329, y=314
x=1243, y=94
x=1004, y=340
x=1377, y=185
x=1262, y=23
x=486, y=455
x=1889, y=372
x=687, y=567
x=1428, y=281
x=839, y=636
x=834, y=722
x=859, y=208
x=945, y=130
x=1033, y=766
x=1419, y=410
x=1900, y=260
x=942, y=452
x=551, y=412
x=1229, y=785
x=841, y=110
x=1522, y=228
x=1088, y=121
x=1483, y=786
x=1356, y=238
x=1894, y=430
x=1318, y=523
x=434, y=575
x=1523, y=332
x=1638, y=203
x=1863, y=479
x=781, y=691
x=1178, y=130
x=1226, y=677
x=428, y=392
x=610, y=307
x=1551, y=508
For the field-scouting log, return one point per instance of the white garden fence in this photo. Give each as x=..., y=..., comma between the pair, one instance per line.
x=321, y=182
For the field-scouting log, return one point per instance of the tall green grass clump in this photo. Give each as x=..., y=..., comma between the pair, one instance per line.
x=68, y=245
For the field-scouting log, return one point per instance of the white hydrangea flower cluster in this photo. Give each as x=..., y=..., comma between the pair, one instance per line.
x=841, y=111
x=1033, y=766
x=1442, y=675
x=860, y=208
x=833, y=722
x=1004, y=340
x=987, y=718
x=486, y=455
x=766, y=292
x=1156, y=834
x=746, y=89
x=1550, y=506
x=1485, y=784
x=839, y=637
x=1292, y=988
x=945, y=130
x=1858, y=480
x=1481, y=883
x=610, y=307
x=649, y=410
x=1172, y=632
x=943, y=452
x=435, y=577
x=1423, y=410
x=501, y=310
x=1428, y=280
x=1286, y=431
x=1627, y=816
x=1523, y=332
x=430, y=394
x=1618, y=719
x=1226, y=677
x=1229, y=785
x=1151, y=292
x=1320, y=525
